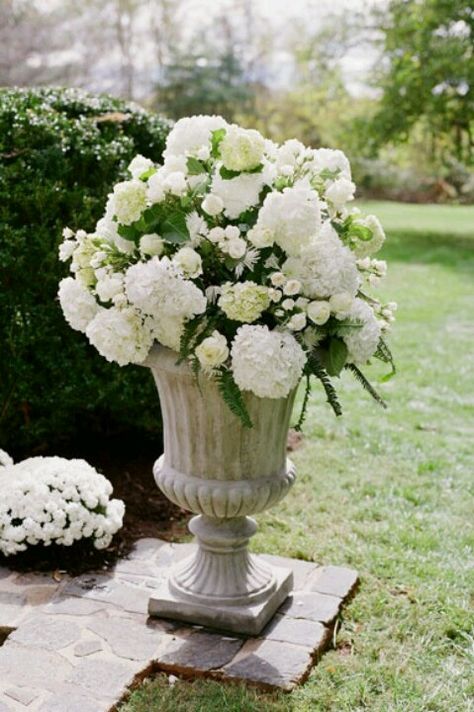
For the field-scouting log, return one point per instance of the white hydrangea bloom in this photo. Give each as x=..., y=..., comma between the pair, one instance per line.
x=325, y=266
x=45, y=500
x=268, y=363
x=361, y=343
x=243, y=301
x=5, y=459
x=109, y=286
x=155, y=189
x=191, y=134
x=128, y=201
x=139, y=165
x=78, y=305
x=120, y=335
x=158, y=289
x=197, y=227
x=168, y=330
x=293, y=217
x=331, y=160
x=240, y=193
x=241, y=149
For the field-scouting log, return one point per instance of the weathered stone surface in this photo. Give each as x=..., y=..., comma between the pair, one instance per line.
x=110, y=590
x=271, y=663
x=12, y=609
x=311, y=606
x=200, y=651
x=39, y=595
x=102, y=678
x=73, y=606
x=24, y=695
x=147, y=548
x=23, y=665
x=129, y=639
x=333, y=580
x=67, y=701
x=302, y=570
x=4, y=708
x=297, y=631
x=87, y=647
x=49, y=632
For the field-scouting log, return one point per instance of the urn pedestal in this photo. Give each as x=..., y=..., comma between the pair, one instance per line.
x=215, y=467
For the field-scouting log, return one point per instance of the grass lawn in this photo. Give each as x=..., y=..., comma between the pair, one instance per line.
x=390, y=493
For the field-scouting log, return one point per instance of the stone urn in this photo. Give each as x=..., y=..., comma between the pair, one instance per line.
x=222, y=471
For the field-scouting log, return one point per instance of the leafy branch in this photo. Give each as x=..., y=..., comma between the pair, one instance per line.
x=304, y=406
x=384, y=354
x=315, y=367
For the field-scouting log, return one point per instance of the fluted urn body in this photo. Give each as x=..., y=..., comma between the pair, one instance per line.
x=222, y=471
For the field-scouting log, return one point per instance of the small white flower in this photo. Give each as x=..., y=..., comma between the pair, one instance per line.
x=319, y=312
x=292, y=287
x=66, y=250
x=274, y=294
x=278, y=279
x=260, y=237
x=151, y=244
x=109, y=287
x=175, y=183
x=340, y=191
x=236, y=248
x=129, y=201
x=340, y=302
x=212, y=204
x=212, y=351
x=216, y=234
x=139, y=165
x=241, y=149
x=297, y=322
x=189, y=262
x=78, y=305
x=155, y=188
x=288, y=304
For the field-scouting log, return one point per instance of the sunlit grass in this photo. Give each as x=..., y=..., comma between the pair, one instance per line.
x=392, y=494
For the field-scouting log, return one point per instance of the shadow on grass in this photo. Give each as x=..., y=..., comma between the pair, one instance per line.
x=456, y=251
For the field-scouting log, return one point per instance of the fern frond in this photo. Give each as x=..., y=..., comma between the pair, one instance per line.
x=187, y=337
x=384, y=354
x=232, y=396
x=304, y=405
x=359, y=376
x=317, y=369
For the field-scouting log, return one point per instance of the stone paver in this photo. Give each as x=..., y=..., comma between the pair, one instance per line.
x=76, y=645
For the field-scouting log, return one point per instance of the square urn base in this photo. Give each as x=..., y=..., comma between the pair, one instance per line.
x=246, y=620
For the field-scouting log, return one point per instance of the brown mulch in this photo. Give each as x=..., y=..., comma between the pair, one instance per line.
x=127, y=461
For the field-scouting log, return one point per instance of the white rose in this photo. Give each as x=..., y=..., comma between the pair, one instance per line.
x=212, y=351
x=216, y=234
x=297, y=322
x=288, y=304
x=340, y=191
x=175, y=183
x=292, y=287
x=188, y=261
x=236, y=248
x=319, y=312
x=212, y=204
x=151, y=244
x=278, y=279
x=274, y=294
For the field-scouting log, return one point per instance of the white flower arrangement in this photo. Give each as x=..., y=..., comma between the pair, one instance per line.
x=242, y=255
x=51, y=500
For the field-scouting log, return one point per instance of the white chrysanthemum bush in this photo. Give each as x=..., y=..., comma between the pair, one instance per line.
x=51, y=500
x=244, y=256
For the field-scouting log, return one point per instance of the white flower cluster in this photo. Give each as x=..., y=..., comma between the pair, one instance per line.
x=46, y=500
x=241, y=254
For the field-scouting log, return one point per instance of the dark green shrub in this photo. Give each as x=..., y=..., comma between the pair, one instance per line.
x=60, y=153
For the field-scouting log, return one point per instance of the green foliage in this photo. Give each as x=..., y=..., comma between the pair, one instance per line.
x=60, y=153
x=430, y=74
x=359, y=376
x=315, y=367
x=233, y=397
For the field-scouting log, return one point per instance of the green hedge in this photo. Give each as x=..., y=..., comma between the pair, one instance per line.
x=61, y=150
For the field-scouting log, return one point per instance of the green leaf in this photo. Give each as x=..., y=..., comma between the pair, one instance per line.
x=336, y=356
x=227, y=174
x=359, y=376
x=216, y=138
x=232, y=396
x=174, y=228
x=129, y=232
x=327, y=174
x=315, y=367
x=361, y=232
x=147, y=174
x=195, y=167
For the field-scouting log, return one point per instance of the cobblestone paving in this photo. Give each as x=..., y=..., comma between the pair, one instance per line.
x=78, y=645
